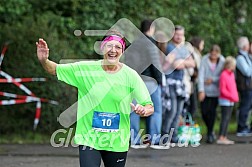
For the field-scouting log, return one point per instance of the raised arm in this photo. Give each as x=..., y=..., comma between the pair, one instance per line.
x=43, y=54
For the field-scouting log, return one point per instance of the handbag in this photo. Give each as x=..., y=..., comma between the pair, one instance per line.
x=189, y=132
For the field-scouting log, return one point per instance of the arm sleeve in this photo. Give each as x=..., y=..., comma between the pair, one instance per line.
x=243, y=66
x=67, y=73
x=223, y=86
x=201, y=77
x=140, y=92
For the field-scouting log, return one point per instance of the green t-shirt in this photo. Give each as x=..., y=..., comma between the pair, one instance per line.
x=103, y=116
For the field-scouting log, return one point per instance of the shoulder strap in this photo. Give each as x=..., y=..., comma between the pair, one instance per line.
x=240, y=54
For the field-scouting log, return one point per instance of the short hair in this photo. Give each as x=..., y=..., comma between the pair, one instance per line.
x=229, y=61
x=145, y=25
x=242, y=41
x=179, y=27
x=215, y=48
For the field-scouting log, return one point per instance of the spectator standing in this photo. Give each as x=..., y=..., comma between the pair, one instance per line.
x=228, y=96
x=244, y=85
x=174, y=80
x=209, y=74
x=198, y=46
x=142, y=52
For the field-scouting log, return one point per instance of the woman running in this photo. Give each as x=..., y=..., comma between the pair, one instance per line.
x=106, y=89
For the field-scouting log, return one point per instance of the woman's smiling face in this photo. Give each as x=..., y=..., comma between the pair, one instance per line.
x=112, y=52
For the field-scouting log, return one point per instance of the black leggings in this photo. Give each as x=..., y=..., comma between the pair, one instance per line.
x=226, y=112
x=90, y=157
x=208, y=110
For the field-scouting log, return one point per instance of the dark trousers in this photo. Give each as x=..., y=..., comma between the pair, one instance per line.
x=193, y=104
x=208, y=110
x=193, y=100
x=90, y=157
x=226, y=112
x=245, y=106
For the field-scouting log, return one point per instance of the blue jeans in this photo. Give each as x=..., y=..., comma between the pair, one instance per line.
x=171, y=117
x=245, y=106
x=153, y=122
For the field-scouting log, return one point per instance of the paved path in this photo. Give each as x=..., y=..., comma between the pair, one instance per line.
x=205, y=155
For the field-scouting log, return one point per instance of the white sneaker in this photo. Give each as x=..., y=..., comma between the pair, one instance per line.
x=139, y=146
x=160, y=147
x=225, y=142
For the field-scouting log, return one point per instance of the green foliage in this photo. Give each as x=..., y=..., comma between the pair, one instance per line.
x=22, y=22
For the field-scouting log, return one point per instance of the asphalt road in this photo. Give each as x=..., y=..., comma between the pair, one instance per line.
x=238, y=155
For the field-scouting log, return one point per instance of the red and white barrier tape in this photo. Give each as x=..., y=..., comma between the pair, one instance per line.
x=37, y=115
x=3, y=53
x=21, y=86
x=28, y=98
x=20, y=99
x=22, y=80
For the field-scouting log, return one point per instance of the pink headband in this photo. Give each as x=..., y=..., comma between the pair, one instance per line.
x=113, y=37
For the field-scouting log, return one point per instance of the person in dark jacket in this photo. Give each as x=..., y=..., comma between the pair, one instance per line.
x=143, y=56
x=244, y=84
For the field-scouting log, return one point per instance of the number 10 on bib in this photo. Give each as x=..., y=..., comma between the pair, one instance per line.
x=106, y=122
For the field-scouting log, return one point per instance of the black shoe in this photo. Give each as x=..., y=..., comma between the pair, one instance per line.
x=210, y=139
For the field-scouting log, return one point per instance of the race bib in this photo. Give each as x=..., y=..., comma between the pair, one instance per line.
x=106, y=122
